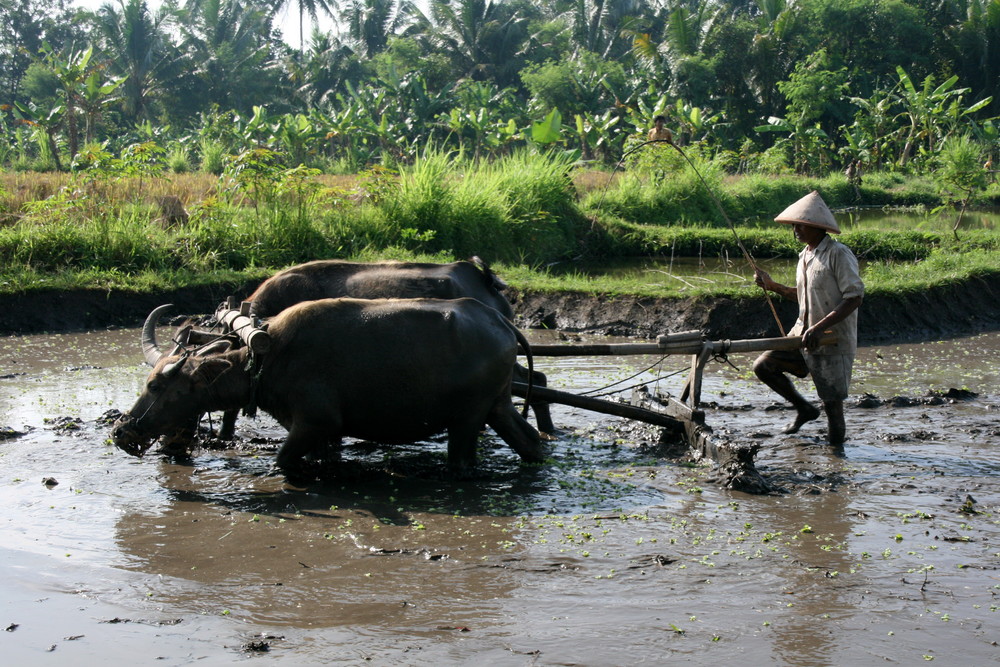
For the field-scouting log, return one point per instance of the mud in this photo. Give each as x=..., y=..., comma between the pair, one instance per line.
x=615, y=551
x=944, y=312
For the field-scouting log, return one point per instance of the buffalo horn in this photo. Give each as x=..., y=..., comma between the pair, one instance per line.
x=172, y=369
x=150, y=349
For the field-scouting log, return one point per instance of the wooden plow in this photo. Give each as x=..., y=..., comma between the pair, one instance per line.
x=735, y=461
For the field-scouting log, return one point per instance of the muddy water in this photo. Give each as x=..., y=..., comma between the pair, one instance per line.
x=612, y=553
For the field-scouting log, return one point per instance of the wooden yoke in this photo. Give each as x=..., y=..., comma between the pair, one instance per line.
x=246, y=326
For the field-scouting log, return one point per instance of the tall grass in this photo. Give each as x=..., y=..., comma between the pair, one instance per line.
x=774, y=241
x=126, y=244
x=519, y=208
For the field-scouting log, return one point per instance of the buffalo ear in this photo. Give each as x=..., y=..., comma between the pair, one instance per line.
x=210, y=369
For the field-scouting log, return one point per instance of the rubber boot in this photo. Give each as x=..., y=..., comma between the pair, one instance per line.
x=837, y=429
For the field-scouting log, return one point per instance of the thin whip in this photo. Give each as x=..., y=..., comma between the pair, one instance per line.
x=718, y=205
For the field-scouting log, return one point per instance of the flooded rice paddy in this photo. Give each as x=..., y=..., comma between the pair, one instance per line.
x=731, y=270
x=612, y=553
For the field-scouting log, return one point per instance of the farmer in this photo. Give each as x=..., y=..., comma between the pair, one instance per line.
x=658, y=132
x=828, y=289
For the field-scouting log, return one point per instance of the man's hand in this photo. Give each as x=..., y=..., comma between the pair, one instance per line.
x=811, y=336
x=763, y=280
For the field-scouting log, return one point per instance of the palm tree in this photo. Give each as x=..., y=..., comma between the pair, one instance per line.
x=324, y=68
x=975, y=41
x=227, y=46
x=310, y=7
x=769, y=60
x=370, y=23
x=604, y=26
x=482, y=37
x=137, y=48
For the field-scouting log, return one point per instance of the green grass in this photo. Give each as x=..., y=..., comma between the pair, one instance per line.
x=521, y=213
x=519, y=208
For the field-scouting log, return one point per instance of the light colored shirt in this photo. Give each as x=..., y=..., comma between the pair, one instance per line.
x=662, y=133
x=823, y=279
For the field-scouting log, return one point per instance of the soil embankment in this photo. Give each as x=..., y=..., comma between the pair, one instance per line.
x=945, y=311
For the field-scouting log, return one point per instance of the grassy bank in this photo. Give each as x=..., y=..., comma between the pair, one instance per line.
x=521, y=213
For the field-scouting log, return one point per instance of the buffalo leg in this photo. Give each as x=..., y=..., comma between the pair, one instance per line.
x=228, y=428
x=303, y=439
x=543, y=416
x=463, y=438
x=515, y=431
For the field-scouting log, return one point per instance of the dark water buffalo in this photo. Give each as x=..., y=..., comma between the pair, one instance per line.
x=376, y=280
x=389, y=370
x=329, y=278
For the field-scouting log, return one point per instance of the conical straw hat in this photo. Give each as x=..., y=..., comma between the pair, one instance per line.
x=810, y=210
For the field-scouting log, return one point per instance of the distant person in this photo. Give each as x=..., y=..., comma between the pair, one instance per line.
x=658, y=131
x=828, y=289
x=853, y=174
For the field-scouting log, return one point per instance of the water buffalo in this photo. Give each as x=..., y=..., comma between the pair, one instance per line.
x=391, y=370
x=328, y=278
x=392, y=280
x=376, y=280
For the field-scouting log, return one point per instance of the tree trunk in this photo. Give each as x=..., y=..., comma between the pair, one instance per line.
x=71, y=128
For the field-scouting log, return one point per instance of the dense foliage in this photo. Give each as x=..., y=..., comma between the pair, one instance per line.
x=764, y=85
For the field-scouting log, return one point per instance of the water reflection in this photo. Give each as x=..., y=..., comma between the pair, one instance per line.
x=816, y=534
x=275, y=557
x=916, y=219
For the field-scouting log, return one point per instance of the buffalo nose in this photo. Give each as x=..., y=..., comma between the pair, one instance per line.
x=121, y=424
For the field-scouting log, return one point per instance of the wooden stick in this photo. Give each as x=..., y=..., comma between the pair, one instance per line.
x=680, y=347
x=595, y=405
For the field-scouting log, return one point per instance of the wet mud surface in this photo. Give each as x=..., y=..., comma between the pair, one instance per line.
x=615, y=551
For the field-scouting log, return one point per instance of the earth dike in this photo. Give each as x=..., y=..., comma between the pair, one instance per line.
x=945, y=311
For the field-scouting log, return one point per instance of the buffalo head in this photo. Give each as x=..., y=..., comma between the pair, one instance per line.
x=177, y=392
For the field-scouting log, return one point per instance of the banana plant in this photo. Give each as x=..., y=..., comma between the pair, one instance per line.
x=295, y=135
x=256, y=130
x=694, y=122
x=858, y=144
x=596, y=134
x=351, y=129
x=94, y=95
x=546, y=131
x=643, y=112
x=809, y=143
x=45, y=125
x=931, y=111
x=71, y=70
x=874, y=130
